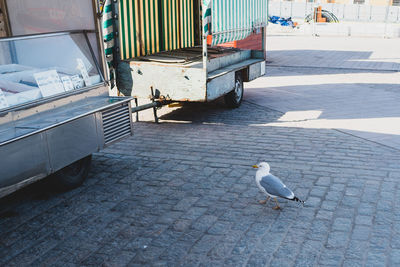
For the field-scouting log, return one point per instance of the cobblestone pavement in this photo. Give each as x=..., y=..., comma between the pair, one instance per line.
x=183, y=194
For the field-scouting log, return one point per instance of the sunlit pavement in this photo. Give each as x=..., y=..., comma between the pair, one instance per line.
x=349, y=84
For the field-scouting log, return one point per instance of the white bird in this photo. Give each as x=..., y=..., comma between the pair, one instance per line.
x=272, y=186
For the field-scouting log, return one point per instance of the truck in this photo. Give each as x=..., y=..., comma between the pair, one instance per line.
x=55, y=108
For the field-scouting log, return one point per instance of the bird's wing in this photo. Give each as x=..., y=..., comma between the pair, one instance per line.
x=274, y=186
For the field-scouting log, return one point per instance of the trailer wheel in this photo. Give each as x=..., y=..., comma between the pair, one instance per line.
x=234, y=98
x=73, y=175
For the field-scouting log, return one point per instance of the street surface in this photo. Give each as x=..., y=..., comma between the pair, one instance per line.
x=182, y=193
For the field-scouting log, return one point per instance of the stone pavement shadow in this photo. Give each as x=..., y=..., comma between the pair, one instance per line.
x=276, y=70
x=38, y=192
x=300, y=107
x=367, y=110
x=357, y=61
x=217, y=113
x=332, y=100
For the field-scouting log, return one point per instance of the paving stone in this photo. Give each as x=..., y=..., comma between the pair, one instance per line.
x=361, y=232
x=350, y=201
x=337, y=239
x=342, y=224
x=323, y=181
x=305, y=260
x=194, y=213
x=395, y=257
x=345, y=212
x=236, y=260
x=257, y=260
x=329, y=205
x=331, y=257
x=324, y=214
x=186, y=203
x=181, y=225
x=352, y=263
x=363, y=220
x=318, y=191
x=375, y=259
x=205, y=244
x=204, y=222
x=366, y=209
x=313, y=202
x=395, y=242
x=220, y=227
x=356, y=250
x=319, y=230
x=334, y=195
x=146, y=255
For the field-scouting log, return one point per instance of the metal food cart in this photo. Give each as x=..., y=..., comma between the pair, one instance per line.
x=55, y=110
x=175, y=48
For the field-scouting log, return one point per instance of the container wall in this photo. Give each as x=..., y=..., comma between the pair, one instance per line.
x=234, y=20
x=151, y=26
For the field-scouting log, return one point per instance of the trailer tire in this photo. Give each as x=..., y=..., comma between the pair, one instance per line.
x=234, y=98
x=73, y=175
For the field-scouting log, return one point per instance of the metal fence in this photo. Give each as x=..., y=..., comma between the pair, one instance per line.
x=344, y=12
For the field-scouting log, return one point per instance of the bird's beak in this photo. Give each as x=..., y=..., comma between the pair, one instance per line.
x=255, y=166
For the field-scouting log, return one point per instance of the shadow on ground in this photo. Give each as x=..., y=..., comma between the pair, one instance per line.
x=217, y=113
x=321, y=70
x=325, y=60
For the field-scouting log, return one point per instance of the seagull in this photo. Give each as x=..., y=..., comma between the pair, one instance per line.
x=272, y=186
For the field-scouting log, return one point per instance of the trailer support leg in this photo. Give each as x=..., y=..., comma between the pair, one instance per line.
x=155, y=107
x=137, y=112
x=155, y=115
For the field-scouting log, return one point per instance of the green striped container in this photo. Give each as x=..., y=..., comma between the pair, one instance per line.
x=138, y=34
x=187, y=23
x=151, y=26
x=108, y=32
x=170, y=19
x=236, y=19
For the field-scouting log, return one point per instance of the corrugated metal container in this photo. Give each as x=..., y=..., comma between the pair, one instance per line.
x=151, y=26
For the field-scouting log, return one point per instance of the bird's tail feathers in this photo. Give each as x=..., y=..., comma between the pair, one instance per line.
x=298, y=200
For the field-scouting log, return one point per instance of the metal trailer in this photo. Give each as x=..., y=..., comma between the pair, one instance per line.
x=162, y=46
x=55, y=110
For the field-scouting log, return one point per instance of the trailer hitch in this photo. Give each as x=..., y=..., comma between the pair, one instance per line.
x=157, y=102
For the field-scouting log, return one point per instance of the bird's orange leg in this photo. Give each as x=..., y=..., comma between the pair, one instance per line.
x=277, y=205
x=264, y=201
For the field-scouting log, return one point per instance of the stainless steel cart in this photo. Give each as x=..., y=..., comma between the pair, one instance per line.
x=55, y=110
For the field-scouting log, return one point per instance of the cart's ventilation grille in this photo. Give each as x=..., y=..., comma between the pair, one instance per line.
x=116, y=123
